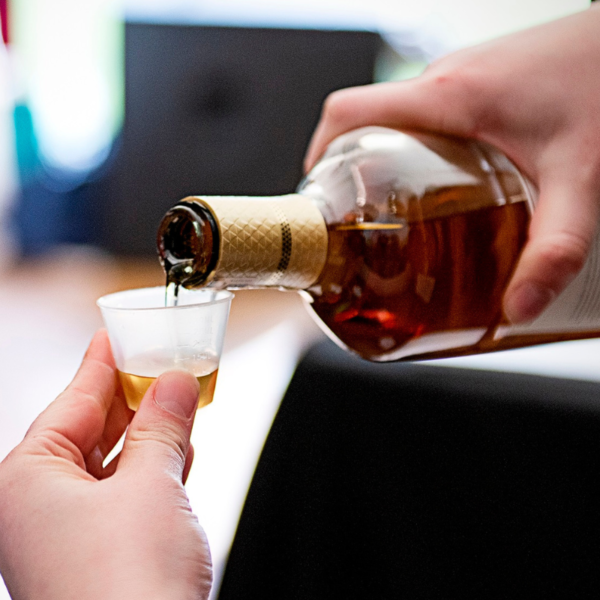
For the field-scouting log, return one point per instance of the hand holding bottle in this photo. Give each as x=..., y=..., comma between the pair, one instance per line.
x=74, y=529
x=534, y=95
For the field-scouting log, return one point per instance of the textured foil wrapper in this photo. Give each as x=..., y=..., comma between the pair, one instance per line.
x=276, y=241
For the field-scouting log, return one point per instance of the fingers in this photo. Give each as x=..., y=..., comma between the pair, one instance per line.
x=561, y=233
x=78, y=416
x=158, y=438
x=117, y=421
x=434, y=102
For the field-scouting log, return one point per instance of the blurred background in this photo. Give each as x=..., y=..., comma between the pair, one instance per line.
x=122, y=107
x=113, y=110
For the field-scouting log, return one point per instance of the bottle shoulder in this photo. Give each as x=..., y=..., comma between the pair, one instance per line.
x=388, y=176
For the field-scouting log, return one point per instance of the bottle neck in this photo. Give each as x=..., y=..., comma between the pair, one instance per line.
x=239, y=242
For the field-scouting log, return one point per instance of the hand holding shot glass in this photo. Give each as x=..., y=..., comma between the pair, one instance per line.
x=149, y=338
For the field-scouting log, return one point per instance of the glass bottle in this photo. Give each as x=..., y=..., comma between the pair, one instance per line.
x=402, y=245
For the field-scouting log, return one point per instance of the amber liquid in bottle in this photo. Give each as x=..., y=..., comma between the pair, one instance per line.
x=385, y=287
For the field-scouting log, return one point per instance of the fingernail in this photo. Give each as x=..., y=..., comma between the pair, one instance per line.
x=526, y=302
x=177, y=392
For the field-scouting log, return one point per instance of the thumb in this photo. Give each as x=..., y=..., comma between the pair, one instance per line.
x=158, y=437
x=561, y=233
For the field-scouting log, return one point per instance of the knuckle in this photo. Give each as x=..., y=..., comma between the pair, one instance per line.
x=563, y=255
x=338, y=106
x=160, y=435
x=464, y=84
x=54, y=443
x=75, y=394
x=99, y=365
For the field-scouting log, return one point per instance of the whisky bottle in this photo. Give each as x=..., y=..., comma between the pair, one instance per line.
x=401, y=243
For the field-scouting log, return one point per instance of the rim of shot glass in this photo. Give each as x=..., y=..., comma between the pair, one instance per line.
x=105, y=302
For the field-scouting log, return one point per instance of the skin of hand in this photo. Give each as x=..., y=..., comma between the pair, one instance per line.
x=73, y=529
x=535, y=96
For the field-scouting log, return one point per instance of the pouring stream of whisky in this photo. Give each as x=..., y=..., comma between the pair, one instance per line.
x=171, y=292
x=177, y=273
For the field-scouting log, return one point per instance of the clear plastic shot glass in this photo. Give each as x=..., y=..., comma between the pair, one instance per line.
x=148, y=338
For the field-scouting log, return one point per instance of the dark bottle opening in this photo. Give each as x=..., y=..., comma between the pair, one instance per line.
x=188, y=244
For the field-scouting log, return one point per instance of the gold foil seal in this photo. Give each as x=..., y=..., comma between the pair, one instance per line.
x=277, y=241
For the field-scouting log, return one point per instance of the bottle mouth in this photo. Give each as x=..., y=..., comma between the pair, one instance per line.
x=187, y=243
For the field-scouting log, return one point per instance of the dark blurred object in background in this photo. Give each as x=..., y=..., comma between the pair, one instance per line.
x=220, y=110
x=422, y=482
x=208, y=110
